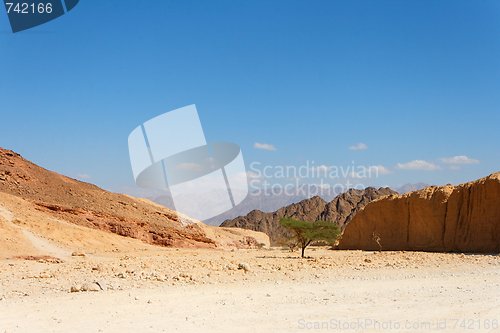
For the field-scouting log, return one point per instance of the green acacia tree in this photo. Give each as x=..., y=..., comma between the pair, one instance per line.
x=308, y=232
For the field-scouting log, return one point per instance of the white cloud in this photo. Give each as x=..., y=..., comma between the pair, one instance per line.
x=264, y=146
x=83, y=176
x=459, y=160
x=379, y=169
x=359, y=146
x=417, y=165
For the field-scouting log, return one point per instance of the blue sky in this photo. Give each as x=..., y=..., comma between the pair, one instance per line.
x=411, y=80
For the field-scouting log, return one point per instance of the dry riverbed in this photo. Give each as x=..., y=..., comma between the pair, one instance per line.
x=187, y=290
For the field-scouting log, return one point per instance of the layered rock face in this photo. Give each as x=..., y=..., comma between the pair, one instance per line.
x=464, y=218
x=340, y=210
x=89, y=206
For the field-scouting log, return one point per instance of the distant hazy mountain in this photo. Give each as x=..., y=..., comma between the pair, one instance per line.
x=265, y=203
x=339, y=210
x=269, y=202
x=254, y=201
x=410, y=187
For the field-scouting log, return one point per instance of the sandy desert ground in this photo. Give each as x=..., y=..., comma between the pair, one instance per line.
x=74, y=279
x=267, y=290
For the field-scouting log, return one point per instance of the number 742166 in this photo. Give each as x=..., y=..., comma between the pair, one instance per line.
x=28, y=8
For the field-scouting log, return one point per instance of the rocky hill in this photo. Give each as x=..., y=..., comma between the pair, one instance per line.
x=463, y=218
x=340, y=210
x=256, y=200
x=48, y=196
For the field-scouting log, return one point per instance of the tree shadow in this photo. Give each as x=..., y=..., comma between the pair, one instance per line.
x=280, y=257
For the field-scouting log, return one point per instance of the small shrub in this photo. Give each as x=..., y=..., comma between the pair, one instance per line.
x=377, y=240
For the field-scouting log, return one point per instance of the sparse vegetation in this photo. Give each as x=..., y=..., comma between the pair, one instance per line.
x=309, y=232
x=377, y=240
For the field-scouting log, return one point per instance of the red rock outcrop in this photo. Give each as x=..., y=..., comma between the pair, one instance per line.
x=463, y=218
x=90, y=206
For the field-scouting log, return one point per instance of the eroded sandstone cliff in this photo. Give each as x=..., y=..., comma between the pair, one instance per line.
x=463, y=218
